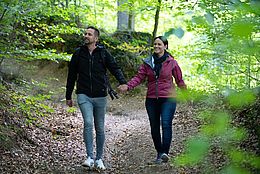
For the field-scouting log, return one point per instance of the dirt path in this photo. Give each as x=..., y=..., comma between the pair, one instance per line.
x=129, y=148
x=134, y=150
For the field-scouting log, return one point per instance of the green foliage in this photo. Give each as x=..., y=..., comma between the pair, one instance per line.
x=242, y=29
x=241, y=98
x=224, y=49
x=19, y=104
x=229, y=46
x=27, y=30
x=190, y=95
x=197, y=148
x=222, y=54
x=43, y=54
x=217, y=130
x=31, y=107
x=178, y=32
x=128, y=48
x=23, y=104
x=71, y=109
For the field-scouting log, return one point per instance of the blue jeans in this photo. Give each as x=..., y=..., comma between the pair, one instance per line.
x=93, y=111
x=161, y=112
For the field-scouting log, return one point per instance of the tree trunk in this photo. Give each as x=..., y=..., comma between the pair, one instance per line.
x=125, y=19
x=67, y=3
x=77, y=19
x=157, y=14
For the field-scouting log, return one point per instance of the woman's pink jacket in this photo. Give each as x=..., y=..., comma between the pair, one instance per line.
x=163, y=87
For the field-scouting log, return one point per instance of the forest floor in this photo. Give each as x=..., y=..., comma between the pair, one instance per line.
x=128, y=148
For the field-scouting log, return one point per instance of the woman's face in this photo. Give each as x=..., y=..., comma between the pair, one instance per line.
x=159, y=47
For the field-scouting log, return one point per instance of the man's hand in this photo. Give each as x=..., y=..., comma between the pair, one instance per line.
x=123, y=88
x=69, y=103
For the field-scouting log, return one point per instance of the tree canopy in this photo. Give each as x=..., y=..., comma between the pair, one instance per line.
x=216, y=41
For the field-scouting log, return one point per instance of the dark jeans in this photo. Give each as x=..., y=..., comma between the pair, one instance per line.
x=161, y=112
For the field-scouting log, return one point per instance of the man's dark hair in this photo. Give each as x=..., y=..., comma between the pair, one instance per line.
x=163, y=39
x=97, y=33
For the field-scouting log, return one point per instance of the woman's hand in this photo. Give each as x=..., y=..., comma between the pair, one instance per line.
x=123, y=88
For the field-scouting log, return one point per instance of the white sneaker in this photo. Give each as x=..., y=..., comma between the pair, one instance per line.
x=99, y=164
x=165, y=158
x=89, y=162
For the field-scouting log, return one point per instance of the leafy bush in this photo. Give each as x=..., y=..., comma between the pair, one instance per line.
x=218, y=131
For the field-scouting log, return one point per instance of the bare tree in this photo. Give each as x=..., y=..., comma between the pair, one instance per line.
x=125, y=19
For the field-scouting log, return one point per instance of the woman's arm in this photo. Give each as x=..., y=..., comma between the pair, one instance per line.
x=138, y=78
x=177, y=74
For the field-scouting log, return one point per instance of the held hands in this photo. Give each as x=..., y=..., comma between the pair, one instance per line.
x=123, y=88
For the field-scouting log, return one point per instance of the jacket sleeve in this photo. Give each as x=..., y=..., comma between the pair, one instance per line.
x=113, y=67
x=177, y=74
x=72, y=75
x=138, y=78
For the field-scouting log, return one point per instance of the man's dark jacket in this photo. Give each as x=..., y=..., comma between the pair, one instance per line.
x=90, y=72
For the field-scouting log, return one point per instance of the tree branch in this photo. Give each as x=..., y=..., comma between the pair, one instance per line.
x=195, y=4
x=2, y=16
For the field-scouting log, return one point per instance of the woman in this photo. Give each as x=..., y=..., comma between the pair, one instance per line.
x=161, y=93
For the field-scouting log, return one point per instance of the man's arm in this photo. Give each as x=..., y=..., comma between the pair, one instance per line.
x=113, y=67
x=71, y=78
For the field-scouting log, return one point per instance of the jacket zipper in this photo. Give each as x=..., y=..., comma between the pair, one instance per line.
x=90, y=72
x=156, y=82
x=156, y=85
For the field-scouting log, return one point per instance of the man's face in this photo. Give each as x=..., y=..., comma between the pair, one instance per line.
x=90, y=37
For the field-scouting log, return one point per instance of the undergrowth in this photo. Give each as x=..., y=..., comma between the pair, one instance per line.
x=19, y=109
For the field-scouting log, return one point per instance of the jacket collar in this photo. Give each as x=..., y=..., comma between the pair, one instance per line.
x=98, y=47
x=149, y=60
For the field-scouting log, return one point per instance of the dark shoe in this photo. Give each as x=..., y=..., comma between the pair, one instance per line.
x=164, y=158
x=158, y=161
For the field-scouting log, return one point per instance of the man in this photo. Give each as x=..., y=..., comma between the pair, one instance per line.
x=88, y=68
